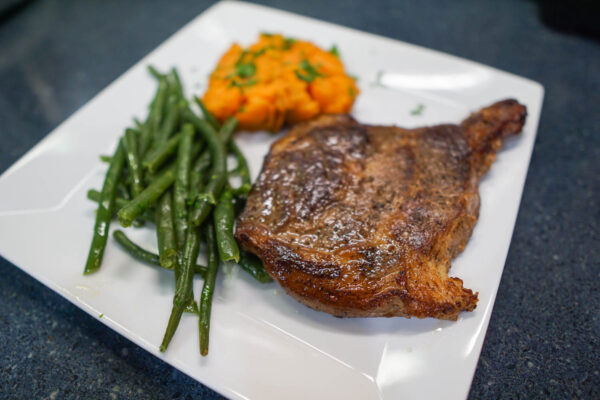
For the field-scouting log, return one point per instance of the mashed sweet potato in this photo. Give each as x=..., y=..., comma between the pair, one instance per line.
x=278, y=81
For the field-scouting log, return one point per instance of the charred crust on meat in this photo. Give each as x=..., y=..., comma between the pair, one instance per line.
x=363, y=221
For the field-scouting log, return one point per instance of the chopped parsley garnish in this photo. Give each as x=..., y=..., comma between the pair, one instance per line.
x=245, y=70
x=244, y=84
x=242, y=70
x=304, y=77
x=334, y=50
x=307, y=72
x=240, y=59
x=260, y=52
x=418, y=110
x=351, y=92
x=288, y=43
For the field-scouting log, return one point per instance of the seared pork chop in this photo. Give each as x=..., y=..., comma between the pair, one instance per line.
x=362, y=221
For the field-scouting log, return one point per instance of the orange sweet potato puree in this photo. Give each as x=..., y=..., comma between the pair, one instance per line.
x=278, y=81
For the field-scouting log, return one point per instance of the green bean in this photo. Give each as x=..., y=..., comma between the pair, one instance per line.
x=192, y=307
x=122, y=189
x=190, y=253
x=169, y=125
x=154, y=72
x=252, y=265
x=223, y=220
x=175, y=82
x=200, y=186
x=242, y=170
x=201, y=164
x=242, y=164
x=197, y=172
x=144, y=140
x=145, y=256
x=242, y=191
x=212, y=263
x=120, y=202
x=218, y=172
x=156, y=158
x=165, y=233
x=155, y=119
x=227, y=130
x=207, y=115
x=182, y=184
x=105, y=159
x=105, y=211
x=95, y=195
x=144, y=200
x=135, y=130
x=174, y=318
x=142, y=130
x=183, y=291
x=133, y=161
x=150, y=194
x=155, y=116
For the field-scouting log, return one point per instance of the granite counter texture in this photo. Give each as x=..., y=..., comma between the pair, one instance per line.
x=543, y=339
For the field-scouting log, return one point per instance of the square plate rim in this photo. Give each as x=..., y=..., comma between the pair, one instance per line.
x=233, y=3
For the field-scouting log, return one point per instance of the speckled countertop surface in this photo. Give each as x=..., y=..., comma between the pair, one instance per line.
x=543, y=339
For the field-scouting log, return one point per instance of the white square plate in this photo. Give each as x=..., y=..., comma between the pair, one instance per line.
x=264, y=345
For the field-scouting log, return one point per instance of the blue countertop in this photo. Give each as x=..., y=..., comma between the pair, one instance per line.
x=543, y=338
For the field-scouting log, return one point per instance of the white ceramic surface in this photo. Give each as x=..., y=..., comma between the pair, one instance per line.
x=264, y=345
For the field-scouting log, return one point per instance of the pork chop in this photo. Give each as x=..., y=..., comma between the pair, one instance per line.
x=362, y=221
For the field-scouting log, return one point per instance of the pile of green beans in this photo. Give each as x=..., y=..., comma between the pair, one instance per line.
x=170, y=171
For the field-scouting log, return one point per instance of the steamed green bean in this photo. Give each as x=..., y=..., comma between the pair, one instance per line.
x=105, y=211
x=212, y=263
x=144, y=255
